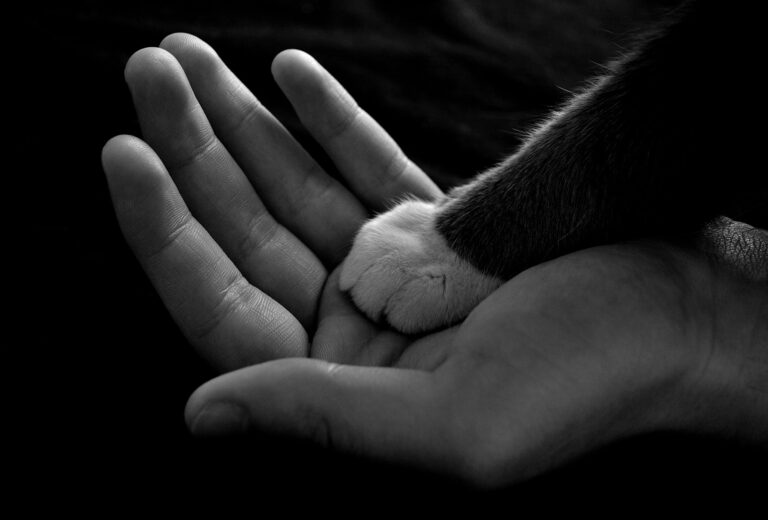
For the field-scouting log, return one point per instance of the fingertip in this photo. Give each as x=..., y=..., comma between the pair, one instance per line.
x=194, y=406
x=148, y=63
x=276, y=383
x=209, y=412
x=289, y=56
x=137, y=62
x=191, y=52
x=217, y=406
x=318, y=98
x=113, y=146
x=227, y=387
x=131, y=167
x=178, y=40
x=114, y=152
x=293, y=67
x=220, y=419
x=122, y=151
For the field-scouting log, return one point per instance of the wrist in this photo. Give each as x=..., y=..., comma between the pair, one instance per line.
x=731, y=394
x=725, y=390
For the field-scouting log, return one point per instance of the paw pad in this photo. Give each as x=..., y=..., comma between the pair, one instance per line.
x=401, y=271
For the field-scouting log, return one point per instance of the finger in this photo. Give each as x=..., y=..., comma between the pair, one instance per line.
x=344, y=335
x=231, y=323
x=388, y=413
x=215, y=188
x=301, y=196
x=373, y=165
x=429, y=352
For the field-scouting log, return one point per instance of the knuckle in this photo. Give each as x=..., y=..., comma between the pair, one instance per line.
x=250, y=112
x=335, y=130
x=172, y=238
x=232, y=297
x=260, y=231
x=320, y=424
x=195, y=154
x=396, y=167
x=315, y=190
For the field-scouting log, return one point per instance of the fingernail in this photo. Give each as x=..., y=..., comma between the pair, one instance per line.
x=220, y=419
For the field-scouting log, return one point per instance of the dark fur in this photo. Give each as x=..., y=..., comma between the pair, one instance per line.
x=658, y=146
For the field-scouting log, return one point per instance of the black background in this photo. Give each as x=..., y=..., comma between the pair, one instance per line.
x=104, y=373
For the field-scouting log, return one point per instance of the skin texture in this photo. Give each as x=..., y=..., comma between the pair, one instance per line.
x=241, y=233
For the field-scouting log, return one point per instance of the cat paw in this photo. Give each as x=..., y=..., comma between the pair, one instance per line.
x=401, y=270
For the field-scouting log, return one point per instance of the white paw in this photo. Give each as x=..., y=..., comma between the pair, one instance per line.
x=400, y=270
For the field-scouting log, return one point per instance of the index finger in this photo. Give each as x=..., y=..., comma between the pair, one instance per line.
x=374, y=166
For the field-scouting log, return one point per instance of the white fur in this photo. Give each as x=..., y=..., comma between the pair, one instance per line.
x=401, y=270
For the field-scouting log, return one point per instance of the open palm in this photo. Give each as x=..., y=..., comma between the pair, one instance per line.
x=241, y=233
x=236, y=225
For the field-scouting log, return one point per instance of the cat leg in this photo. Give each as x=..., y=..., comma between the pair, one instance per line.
x=401, y=271
x=632, y=155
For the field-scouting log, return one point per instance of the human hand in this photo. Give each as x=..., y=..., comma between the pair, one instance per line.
x=568, y=355
x=234, y=223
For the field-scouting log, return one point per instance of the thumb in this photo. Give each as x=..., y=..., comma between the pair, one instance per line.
x=388, y=413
